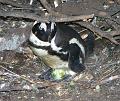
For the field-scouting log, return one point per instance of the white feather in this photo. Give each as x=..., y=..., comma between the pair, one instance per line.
x=75, y=41
x=35, y=23
x=39, y=52
x=52, y=26
x=53, y=61
x=53, y=45
x=55, y=48
x=36, y=41
x=43, y=26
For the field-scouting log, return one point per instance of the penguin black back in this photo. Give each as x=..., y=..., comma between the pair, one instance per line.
x=67, y=40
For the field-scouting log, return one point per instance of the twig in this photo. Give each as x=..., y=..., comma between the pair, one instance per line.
x=47, y=84
x=16, y=90
x=116, y=13
x=103, y=80
x=113, y=22
x=110, y=64
x=110, y=79
x=24, y=78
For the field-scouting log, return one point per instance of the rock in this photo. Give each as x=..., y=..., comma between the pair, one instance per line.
x=14, y=38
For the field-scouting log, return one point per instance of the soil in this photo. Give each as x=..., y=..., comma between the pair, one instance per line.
x=20, y=68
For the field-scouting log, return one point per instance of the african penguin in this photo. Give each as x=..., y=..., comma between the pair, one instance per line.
x=59, y=46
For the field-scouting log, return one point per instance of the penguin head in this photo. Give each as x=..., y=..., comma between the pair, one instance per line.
x=44, y=31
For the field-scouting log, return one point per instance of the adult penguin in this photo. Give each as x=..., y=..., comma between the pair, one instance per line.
x=60, y=47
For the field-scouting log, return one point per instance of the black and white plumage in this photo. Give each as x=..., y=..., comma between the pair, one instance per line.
x=59, y=46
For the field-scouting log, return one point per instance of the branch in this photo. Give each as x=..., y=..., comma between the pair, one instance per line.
x=108, y=35
x=52, y=16
x=45, y=18
x=47, y=6
x=22, y=89
x=63, y=17
x=18, y=14
x=9, y=2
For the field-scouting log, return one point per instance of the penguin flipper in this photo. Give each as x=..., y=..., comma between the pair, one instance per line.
x=75, y=60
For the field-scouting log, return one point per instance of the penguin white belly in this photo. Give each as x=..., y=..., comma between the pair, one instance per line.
x=52, y=61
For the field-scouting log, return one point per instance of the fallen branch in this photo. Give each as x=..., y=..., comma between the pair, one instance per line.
x=108, y=35
x=45, y=18
x=47, y=6
x=9, y=2
x=64, y=17
x=20, y=90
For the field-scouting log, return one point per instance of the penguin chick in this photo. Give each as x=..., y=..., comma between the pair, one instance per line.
x=59, y=46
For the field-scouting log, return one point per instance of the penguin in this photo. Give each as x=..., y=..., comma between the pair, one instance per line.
x=60, y=46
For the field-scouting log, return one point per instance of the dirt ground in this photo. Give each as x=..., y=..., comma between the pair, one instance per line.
x=94, y=85
x=20, y=68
